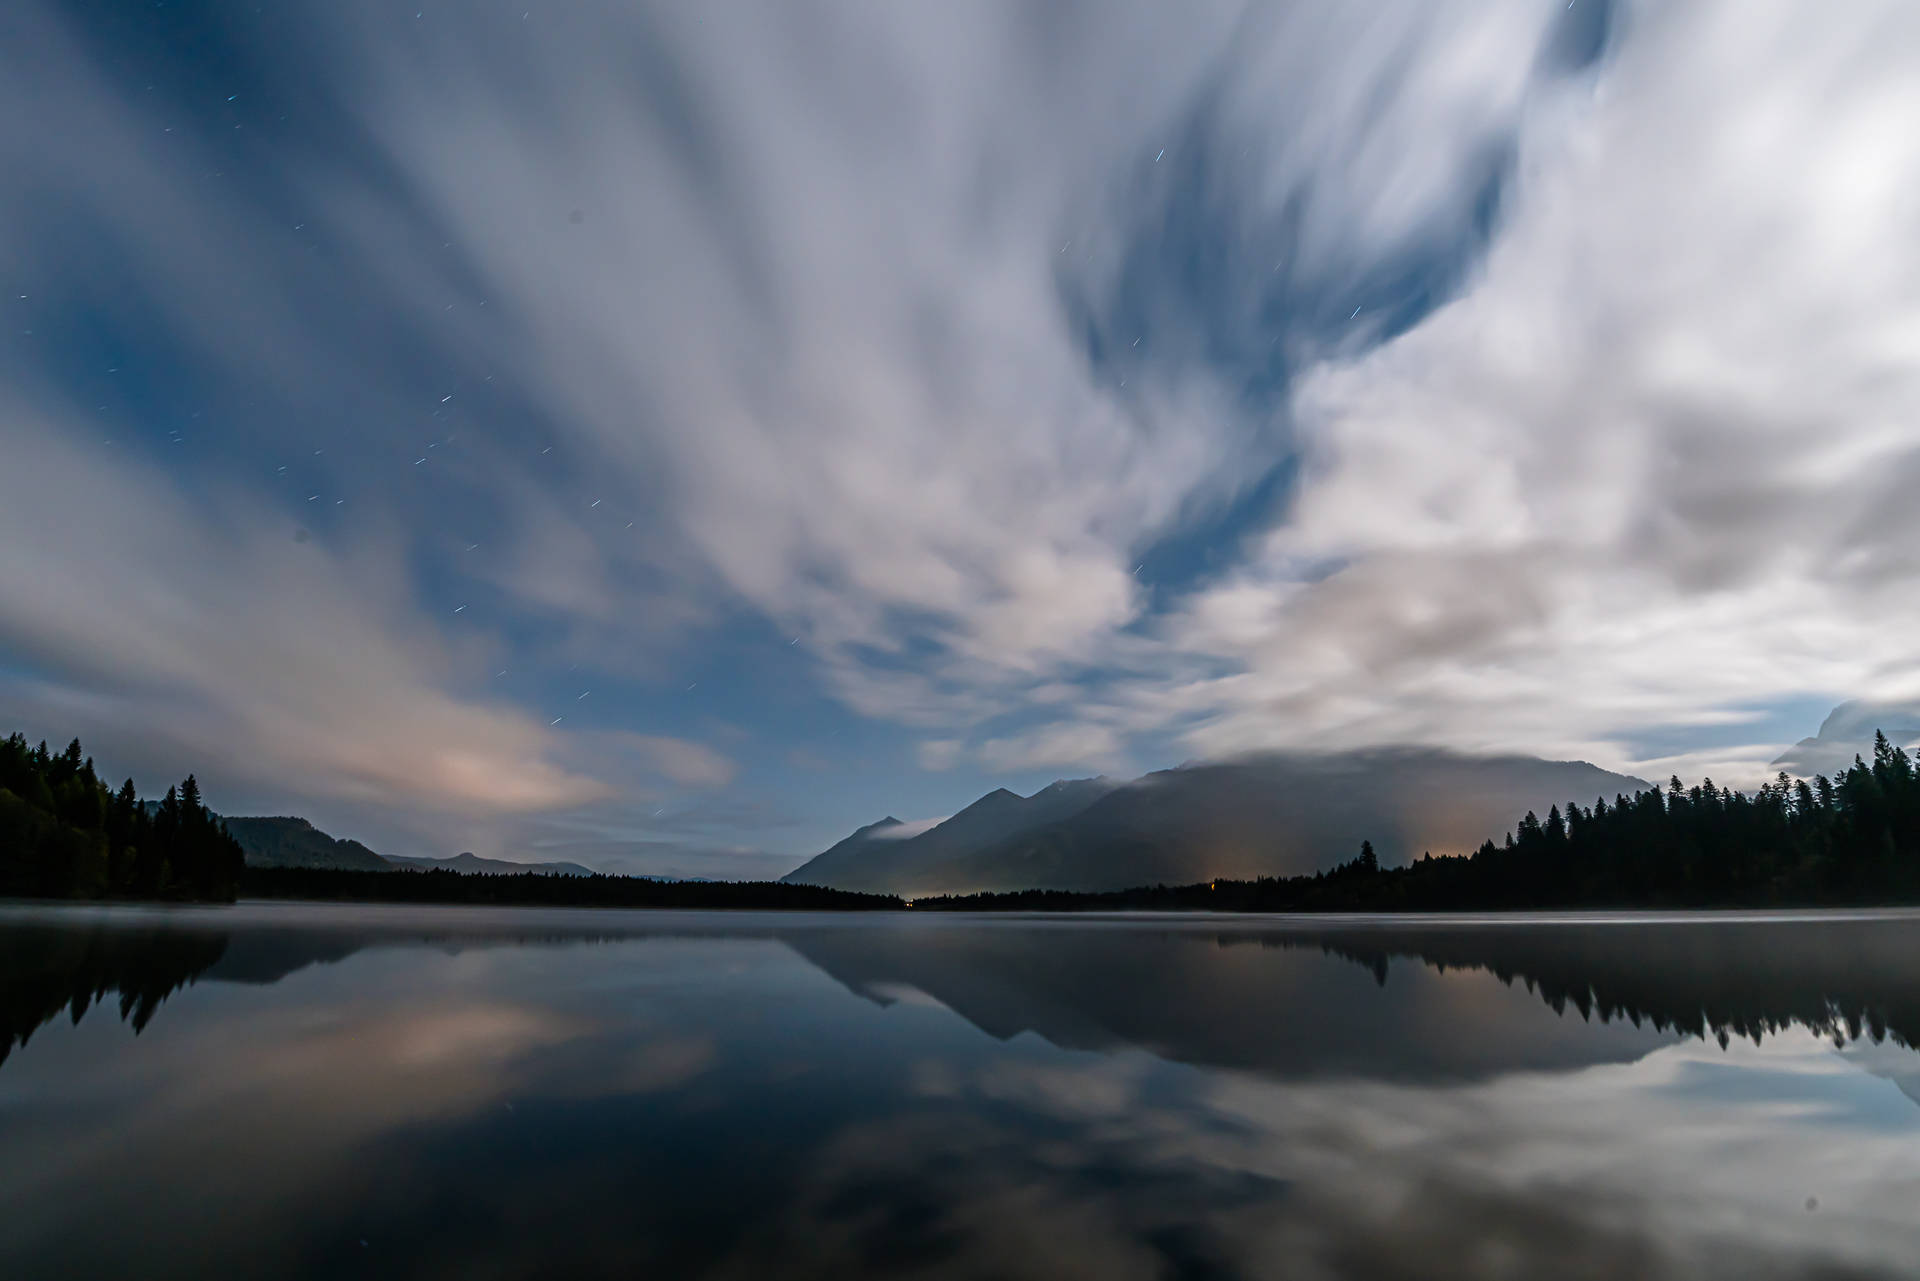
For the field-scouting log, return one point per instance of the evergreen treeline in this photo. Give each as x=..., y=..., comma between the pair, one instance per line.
x=441, y=885
x=1845, y=841
x=65, y=834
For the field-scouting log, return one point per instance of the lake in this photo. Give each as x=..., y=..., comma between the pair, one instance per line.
x=317, y=1091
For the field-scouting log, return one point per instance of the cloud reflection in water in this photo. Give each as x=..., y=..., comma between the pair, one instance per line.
x=514, y=1093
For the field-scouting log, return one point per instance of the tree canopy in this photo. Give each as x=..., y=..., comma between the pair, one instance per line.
x=65, y=834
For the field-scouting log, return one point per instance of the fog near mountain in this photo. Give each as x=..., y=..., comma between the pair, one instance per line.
x=1848, y=732
x=1276, y=814
x=875, y=858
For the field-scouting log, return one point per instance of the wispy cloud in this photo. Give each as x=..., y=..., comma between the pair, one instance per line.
x=1061, y=384
x=680, y=760
x=163, y=621
x=1650, y=464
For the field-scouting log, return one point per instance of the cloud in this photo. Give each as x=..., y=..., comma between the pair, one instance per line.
x=834, y=351
x=901, y=831
x=1646, y=466
x=938, y=753
x=682, y=761
x=1069, y=382
x=283, y=667
x=1053, y=745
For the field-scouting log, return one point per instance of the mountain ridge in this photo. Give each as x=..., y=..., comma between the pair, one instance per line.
x=867, y=859
x=1266, y=814
x=287, y=840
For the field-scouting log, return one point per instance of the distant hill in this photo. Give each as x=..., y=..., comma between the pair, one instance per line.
x=294, y=842
x=473, y=864
x=1276, y=814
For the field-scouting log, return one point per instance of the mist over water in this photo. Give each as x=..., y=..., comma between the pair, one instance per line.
x=310, y=1091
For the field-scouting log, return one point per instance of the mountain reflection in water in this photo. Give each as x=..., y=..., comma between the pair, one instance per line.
x=507, y=1093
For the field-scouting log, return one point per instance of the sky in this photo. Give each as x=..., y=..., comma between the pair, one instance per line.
x=668, y=436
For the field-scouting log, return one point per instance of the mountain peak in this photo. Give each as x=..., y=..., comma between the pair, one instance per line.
x=1270, y=813
x=997, y=816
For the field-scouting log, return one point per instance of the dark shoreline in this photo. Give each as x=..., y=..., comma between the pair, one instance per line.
x=541, y=890
x=1218, y=898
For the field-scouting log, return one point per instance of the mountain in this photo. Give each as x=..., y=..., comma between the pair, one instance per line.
x=850, y=856
x=1276, y=814
x=474, y=864
x=294, y=842
x=1848, y=732
x=873, y=857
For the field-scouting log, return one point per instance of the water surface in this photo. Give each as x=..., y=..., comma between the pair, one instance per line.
x=309, y=1091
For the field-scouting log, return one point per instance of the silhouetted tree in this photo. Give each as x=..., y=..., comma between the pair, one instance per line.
x=64, y=835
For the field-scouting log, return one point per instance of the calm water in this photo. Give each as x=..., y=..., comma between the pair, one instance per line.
x=298, y=1091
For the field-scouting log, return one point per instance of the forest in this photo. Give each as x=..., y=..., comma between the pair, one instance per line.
x=1846, y=841
x=65, y=834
